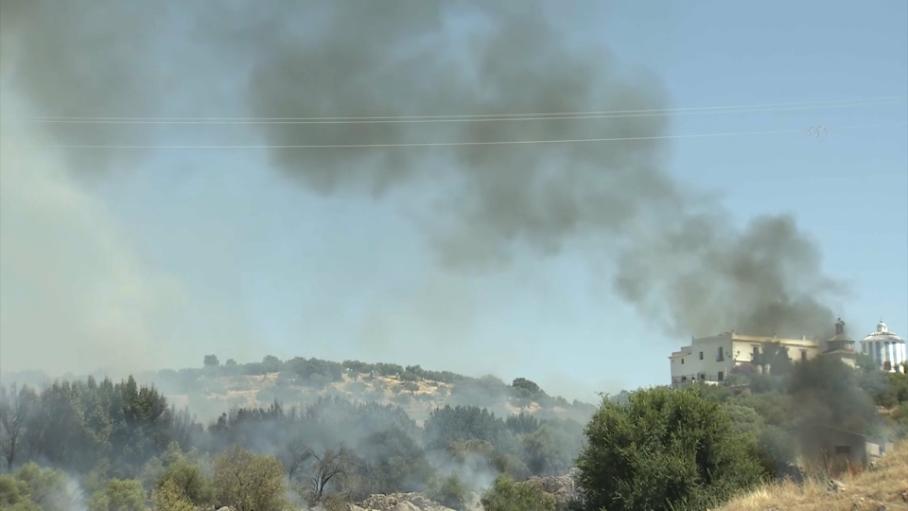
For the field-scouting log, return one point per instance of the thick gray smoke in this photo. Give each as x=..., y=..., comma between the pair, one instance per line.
x=692, y=269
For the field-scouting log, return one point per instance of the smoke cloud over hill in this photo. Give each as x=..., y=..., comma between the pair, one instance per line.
x=371, y=73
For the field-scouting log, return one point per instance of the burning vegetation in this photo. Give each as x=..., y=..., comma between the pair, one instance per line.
x=123, y=444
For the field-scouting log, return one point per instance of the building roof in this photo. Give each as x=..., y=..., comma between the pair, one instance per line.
x=882, y=333
x=735, y=336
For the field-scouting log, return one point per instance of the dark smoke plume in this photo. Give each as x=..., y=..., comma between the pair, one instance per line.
x=691, y=269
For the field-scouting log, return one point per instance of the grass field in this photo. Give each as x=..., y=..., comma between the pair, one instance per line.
x=885, y=487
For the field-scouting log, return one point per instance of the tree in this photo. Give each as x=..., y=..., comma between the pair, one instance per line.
x=664, y=449
x=552, y=448
x=506, y=495
x=119, y=495
x=326, y=467
x=211, y=361
x=294, y=457
x=528, y=385
x=271, y=363
x=168, y=497
x=14, y=495
x=396, y=463
x=183, y=478
x=248, y=482
x=32, y=488
x=449, y=491
x=15, y=411
x=774, y=359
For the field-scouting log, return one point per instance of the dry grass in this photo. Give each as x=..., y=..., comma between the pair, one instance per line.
x=885, y=487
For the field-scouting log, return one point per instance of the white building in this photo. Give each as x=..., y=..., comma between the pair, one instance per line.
x=712, y=359
x=886, y=349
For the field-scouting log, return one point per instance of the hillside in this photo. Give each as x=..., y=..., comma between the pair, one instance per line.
x=883, y=487
x=299, y=382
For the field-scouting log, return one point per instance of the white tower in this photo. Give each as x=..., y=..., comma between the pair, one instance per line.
x=886, y=349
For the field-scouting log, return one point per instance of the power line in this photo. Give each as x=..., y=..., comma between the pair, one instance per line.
x=502, y=117
x=811, y=131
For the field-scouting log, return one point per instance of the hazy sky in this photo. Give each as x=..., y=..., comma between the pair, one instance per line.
x=139, y=258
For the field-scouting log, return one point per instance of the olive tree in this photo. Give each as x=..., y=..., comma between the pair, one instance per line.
x=248, y=482
x=664, y=449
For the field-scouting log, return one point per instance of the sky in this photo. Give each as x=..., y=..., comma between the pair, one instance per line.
x=153, y=255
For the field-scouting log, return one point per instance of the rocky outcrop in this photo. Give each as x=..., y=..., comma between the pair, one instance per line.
x=399, y=502
x=562, y=487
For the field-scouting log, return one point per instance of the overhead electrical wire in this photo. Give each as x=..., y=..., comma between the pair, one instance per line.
x=471, y=118
x=813, y=131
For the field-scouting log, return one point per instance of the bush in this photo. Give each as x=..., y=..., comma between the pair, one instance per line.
x=664, y=449
x=449, y=491
x=248, y=482
x=119, y=495
x=184, y=478
x=396, y=463
x=168, y=497
x=35, y=488
x=506, y=495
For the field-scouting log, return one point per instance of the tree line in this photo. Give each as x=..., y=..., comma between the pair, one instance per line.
x=121, y=446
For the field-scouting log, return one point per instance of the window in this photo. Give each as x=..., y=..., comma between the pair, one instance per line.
x=683, y=379
x=682, y=360
x=756, y=351
x=702, y=376
x=803, y=355
x=721, y=356
x=701, y=355
x=721, y=376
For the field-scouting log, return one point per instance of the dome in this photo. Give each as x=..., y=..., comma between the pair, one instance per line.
x=883, y=333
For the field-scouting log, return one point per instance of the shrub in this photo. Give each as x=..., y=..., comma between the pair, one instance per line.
x=664, y=449
x=248, y=482
x=119, y=495
x=449, y=491
x=186, y=479
x=36, y=488
x=168, y=497
x=506, y=495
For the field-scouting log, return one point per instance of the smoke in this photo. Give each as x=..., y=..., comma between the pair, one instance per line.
x=694, y=272
x=73, y=290
x=675, y=256
x=763, y=280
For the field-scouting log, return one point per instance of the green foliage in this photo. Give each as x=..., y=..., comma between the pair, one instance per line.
x=887, y=389
x=774, y=359
x=396, y=463
x=271, y=364
x=507, y=495
x=169, y=497
x=552, y=448
x=183, y=477
x=522, y=423
x=248, y=482
x=664, y=449
x=529, y=388
x=334, y=503
x=777, y=451
x=449, y=491
x=119, y=495
x=314, y=372
x=34, y=487
x=75, y=425
x=900, y=419
x=447, y=425
x=827, y=394
x=211, y=361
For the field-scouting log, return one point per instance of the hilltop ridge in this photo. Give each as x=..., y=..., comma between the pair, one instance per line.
x=299, y=381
